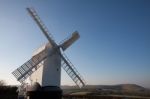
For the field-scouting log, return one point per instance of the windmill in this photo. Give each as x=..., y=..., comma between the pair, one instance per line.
x=44, y=68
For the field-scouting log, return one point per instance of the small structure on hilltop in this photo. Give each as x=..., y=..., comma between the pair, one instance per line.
x=44, y=68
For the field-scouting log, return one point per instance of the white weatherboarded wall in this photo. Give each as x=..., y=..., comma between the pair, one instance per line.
x=49, y=74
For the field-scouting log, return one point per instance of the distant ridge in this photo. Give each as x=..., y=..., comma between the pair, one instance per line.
x=120, y=87
x=131, y=87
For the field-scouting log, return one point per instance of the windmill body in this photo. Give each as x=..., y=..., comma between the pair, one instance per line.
x=49, y=72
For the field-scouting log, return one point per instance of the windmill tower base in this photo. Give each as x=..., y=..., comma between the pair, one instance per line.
x=48, y=92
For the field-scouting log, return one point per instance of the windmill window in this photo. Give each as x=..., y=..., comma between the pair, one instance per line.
x=57, y=69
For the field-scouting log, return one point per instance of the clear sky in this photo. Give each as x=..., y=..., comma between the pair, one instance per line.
x=114, y=47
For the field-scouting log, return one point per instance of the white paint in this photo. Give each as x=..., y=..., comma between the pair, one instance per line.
x=50, y=73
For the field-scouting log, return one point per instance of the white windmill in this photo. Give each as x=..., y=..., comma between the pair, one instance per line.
x=45, y=65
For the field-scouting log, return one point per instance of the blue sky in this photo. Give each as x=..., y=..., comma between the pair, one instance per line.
x=114, y=47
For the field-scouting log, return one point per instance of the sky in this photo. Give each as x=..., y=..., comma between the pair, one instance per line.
x=114, y=47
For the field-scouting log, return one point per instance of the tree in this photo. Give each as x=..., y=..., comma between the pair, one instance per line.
x=2, y=83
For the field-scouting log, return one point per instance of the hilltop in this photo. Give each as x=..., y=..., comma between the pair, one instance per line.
x=121, y=87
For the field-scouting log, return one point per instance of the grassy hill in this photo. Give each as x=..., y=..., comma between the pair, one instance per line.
x=121, y=89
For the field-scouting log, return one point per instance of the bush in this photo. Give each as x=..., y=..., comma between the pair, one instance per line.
x=7, y=92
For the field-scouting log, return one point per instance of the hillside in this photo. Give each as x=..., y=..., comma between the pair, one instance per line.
x=121, y=89
x=116, y=87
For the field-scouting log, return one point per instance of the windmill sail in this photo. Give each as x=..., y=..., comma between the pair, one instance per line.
x=69, y=41
x=72, y=71
x=44, y=29
x=29, y=67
